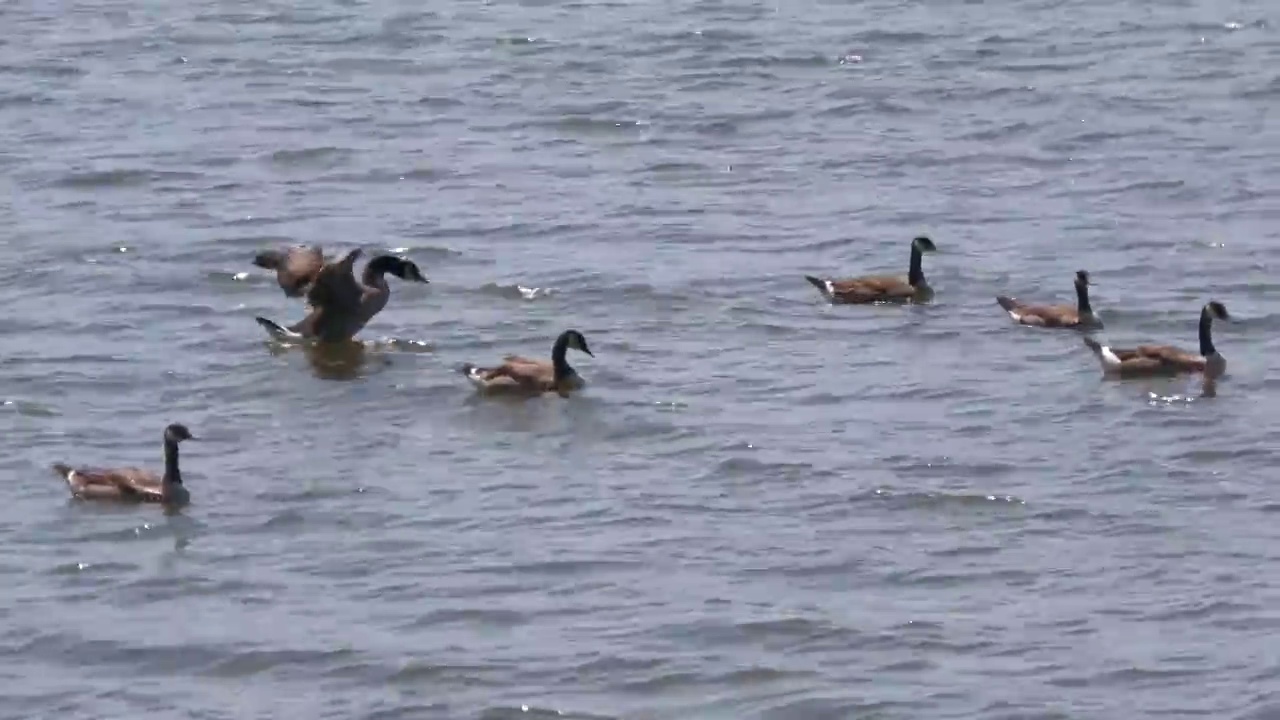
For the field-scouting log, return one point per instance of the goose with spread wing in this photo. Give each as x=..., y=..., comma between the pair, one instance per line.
x=339, y=304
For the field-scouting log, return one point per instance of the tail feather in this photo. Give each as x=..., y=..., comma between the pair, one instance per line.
x=277, y=331
x=68, y=475
x=1110, y=362
x=824, y=286
x=1009, y=304
x=474, y=374
x=267, y=259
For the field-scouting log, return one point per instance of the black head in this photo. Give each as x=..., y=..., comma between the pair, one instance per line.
x=1217, y=310
x=1082, y=278
x=176, y=433
x=408, y=270
x=575, y=340
x=267, y=259
x=398, y=266
x=923, y=244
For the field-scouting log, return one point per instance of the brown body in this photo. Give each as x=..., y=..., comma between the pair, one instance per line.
x=1054, y=316
x=1079, y=316
x=527, y=376
x=1165, y=360
x=339, y=305
x=881, y=288
x=1152, y=360
x=131, y=484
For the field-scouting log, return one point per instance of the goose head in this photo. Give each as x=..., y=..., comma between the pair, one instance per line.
x=576, y=341
x=923, y=244
x=176, y=433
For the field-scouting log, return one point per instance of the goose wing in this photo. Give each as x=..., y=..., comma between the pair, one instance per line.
x=127, y=483
x=1040, y=315
x=296, y=267
x=522, y=360
x=1157, y=360
x=867, y=289
x=1171, y=356
x=335, y=286
x=523, y=375
x=337, y=301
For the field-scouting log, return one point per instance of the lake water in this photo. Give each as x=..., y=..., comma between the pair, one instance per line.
x=764, y=506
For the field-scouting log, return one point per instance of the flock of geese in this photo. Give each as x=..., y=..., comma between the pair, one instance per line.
x=339, y=305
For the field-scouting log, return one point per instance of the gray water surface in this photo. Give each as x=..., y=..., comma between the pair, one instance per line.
x=764, y=506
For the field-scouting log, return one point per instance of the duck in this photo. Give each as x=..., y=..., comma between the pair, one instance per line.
x=339, y=306
x=1164, y=360
x=527, y=376
x=296, y=267
x=881, y=288
x=1080, y=317
x=131, y=484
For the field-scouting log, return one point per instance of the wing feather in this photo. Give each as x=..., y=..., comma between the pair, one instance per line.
x=296, y=267
x=128, y=483
x=872, y=288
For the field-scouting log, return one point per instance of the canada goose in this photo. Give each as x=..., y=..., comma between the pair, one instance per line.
x=1151, y=360
x=296, y=267
x=1056, y=316
x=131, y=484
x=881, y=288
x=523, y=375
x=340, y=306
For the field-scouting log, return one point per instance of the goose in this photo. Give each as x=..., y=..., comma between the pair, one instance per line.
x=296, y=267
x=522, y=375
x=1081, y=316
x=131, y=484
x=881, y=288
x=340, y=306
x=1154, y=360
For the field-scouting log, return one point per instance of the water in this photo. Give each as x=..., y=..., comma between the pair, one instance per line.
x=764, y=506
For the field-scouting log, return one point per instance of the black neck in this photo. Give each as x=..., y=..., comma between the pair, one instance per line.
x=1206, y=334
x=558, y=362
x=171, y=472
x=915, y=275
x=1082, y=298
x=380, y=266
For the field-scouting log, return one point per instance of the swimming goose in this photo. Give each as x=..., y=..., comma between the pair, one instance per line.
x=296, y=267
x=527, y=376
x=131, y=484
x=340, y=306
x=881, y=288
x=1081, y=316
x=1153, y=360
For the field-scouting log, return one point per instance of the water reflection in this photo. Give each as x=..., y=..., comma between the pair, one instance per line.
x=344, y=360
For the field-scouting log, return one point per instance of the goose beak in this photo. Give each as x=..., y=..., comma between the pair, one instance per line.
x=588, y=352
